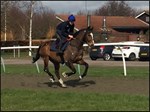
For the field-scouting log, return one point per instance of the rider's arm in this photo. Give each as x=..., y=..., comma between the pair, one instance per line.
x=62, y=28
x=71, y=30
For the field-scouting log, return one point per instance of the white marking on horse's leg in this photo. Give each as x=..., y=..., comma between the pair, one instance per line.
x=80, y=77
x=62, y=83
x=51, y=80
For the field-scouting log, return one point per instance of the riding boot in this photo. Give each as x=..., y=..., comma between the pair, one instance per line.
x=62, y=59
x=59, y=50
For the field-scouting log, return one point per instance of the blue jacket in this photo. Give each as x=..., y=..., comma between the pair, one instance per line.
x=64, y=29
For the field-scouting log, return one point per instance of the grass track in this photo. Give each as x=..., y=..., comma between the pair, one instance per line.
x=19, y=99
x=27, y=99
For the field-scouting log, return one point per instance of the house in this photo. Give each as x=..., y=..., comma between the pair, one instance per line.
x=144, y=16
x=117, y=25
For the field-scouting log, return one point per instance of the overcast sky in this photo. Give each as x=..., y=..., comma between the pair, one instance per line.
x=75, y=6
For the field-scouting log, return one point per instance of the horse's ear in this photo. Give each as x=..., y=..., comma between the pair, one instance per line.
x=88, y=27
x=91, y=28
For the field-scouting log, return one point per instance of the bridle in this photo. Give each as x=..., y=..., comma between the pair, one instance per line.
x=80, y=41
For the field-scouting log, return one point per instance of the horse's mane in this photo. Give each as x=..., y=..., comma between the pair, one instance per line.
x=76, y=33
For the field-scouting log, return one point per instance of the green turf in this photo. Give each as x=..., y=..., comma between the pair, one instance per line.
x=20, y=99
x=142, y=72
x=47, y=100
x=10, y=54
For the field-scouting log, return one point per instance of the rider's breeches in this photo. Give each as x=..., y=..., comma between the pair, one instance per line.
x=61, y=38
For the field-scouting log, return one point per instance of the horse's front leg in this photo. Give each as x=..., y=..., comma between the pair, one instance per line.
x=57, y=66
x=71, y=66
x=46, y=60
x=82, y=62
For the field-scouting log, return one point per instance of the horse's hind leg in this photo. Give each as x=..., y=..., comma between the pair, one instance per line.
x=71, y=66
x=36, y=56
x=46, y=60
x=57, y=66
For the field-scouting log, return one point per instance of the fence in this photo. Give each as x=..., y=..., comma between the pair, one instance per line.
x=97, y=44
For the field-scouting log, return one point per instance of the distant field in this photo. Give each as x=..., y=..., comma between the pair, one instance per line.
x=142, y=72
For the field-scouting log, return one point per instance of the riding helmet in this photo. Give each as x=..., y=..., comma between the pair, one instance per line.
x=71, y=18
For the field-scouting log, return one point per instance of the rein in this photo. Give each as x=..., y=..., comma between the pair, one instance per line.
x=73, y=45
x=80, y=41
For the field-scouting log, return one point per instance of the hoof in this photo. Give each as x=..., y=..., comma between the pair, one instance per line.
x=80, y=77
x=63, y=86
x=64, y=74
x=52, y=80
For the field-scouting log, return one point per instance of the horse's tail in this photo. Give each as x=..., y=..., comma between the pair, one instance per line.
x=35, y=56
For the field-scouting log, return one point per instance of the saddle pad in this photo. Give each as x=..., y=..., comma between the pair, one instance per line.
x=53, y=46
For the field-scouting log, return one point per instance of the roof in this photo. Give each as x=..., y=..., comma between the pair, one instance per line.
x=144, y=12
x=111, y=21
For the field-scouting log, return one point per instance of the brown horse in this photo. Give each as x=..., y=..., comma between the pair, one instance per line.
x=72, y=54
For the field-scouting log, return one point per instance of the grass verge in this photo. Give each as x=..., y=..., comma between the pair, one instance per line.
x=19, y=99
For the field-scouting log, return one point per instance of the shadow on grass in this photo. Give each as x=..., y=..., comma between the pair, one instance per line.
x=72, y=83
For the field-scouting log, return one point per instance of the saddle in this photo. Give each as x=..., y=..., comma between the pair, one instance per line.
x=54, y=46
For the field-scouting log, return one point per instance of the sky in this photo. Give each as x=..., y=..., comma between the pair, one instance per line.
x=76, y=6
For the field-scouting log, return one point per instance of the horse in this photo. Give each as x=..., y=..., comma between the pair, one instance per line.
x=72, y=54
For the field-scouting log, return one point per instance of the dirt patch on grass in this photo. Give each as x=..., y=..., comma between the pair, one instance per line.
x=89, y=84
x=126, y=85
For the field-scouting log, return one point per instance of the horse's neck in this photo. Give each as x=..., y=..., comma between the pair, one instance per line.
x=78, y=41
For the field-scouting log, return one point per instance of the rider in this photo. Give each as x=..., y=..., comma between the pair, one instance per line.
x=65, y=32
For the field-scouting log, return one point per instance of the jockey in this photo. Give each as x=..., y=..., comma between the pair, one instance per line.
x=64, y=33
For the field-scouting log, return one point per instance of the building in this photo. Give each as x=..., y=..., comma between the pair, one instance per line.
x=144, y=16
x=127, y=28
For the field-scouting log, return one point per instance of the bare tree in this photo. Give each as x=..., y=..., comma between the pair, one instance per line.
x=81, y=13
x=5, y=5
x=18, y=19
x=116, y=8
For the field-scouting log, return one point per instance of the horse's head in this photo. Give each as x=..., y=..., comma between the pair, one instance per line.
x=85, y=36
x=88, y=37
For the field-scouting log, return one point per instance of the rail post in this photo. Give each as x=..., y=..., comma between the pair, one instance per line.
x=79, y=69
x=124, y=63
x=37, y=67
x=14, y=52
x=18, y=52
x=3, y=64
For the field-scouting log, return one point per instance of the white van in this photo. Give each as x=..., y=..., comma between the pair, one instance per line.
x=130, y=52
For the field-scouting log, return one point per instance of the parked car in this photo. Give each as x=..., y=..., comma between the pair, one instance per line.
x=144, y=53
x=130, y=52
x=101, y=52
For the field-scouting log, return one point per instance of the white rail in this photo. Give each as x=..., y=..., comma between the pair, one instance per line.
x=97, y=44
x=19, y=47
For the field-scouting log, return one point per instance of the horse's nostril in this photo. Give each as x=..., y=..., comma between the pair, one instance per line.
x=91, y=45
